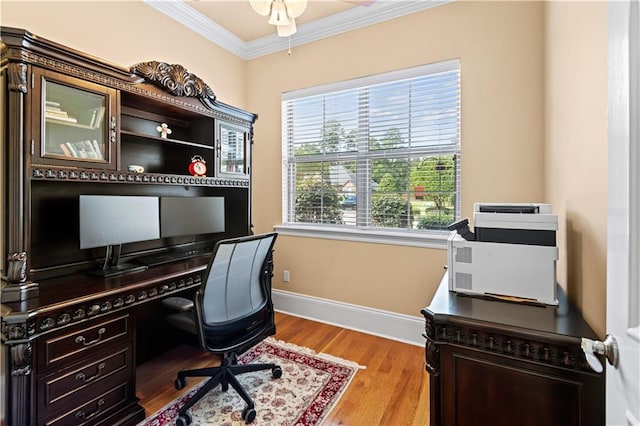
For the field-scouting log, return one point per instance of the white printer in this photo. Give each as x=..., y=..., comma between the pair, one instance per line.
x=512, y=252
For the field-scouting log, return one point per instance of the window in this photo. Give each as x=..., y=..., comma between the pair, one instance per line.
x=379, y=154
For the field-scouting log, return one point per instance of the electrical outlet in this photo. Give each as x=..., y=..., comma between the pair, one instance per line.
x=285, y=276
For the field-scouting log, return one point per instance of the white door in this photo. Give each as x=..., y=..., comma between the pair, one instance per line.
x=623, y=227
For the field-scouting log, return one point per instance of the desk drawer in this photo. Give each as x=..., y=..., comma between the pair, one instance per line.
x=93, y=411
x=85, y=381
x=69, y=344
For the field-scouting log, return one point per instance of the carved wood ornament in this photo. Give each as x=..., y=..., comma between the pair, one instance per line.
x=17, y=77
x=175, y=79
x=17, y=267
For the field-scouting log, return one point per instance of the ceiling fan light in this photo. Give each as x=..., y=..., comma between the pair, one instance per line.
x=278, y=14
x=262, y=7
x=282, y=13
x=295, y=7
x=287, y=30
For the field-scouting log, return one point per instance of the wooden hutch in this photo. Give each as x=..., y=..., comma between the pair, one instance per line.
x=73, y=124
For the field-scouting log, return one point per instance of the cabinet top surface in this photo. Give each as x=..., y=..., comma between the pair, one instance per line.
x=562, y=320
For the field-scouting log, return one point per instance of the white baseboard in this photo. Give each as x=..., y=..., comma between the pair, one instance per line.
x=391, y=325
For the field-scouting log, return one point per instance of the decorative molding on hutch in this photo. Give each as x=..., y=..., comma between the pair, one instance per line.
x=17, y=77
x=175, y=79
x=131, y=82
x=42, y=172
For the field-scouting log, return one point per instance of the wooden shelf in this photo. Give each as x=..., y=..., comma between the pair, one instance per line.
x=166, y=140
x=70, y=124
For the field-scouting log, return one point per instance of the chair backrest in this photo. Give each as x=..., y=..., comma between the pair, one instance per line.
x=236, y=281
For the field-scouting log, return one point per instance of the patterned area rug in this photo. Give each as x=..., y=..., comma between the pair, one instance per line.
x=310, y=386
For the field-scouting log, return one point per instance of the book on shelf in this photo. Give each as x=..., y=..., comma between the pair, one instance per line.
x=61, y=118
x=82, y=149
x=87, y=117
x=53, y=111
x=66, y=150
x=92, y=117
x=54, y=114
x=96, y=148
x=97, y=117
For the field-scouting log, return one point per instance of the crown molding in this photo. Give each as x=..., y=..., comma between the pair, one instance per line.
x=181, y=12
x=354, y=18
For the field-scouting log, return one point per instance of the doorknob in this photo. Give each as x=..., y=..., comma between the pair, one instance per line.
x=608, y=348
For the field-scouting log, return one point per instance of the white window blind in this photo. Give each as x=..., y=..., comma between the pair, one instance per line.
x=376, y=153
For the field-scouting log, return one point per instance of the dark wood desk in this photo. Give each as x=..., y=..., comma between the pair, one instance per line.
x=71, y=351
x=70, y=342
x=501, y=363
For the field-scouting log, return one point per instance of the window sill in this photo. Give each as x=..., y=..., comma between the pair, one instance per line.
x=436, y=240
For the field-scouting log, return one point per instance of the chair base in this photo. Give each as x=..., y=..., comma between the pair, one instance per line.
x=223, y=375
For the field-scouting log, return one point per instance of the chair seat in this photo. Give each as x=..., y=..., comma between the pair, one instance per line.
x=184, y=321
x=235, y=336
x=180, y=304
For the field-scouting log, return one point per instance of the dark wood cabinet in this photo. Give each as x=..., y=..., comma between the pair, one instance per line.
x=501, y=363
x=71, y=125
x=73, y=121
x=77, y=365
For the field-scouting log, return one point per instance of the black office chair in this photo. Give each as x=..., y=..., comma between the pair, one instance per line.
x=232, y=312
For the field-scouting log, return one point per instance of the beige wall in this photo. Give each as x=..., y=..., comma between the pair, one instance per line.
x=500, y=45
x=576, y=148
x=517, y=74
x=128, y=32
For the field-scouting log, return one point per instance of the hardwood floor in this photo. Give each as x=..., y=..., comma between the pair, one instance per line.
x=392, y=390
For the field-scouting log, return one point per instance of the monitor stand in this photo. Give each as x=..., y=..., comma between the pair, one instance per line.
x=112, y=266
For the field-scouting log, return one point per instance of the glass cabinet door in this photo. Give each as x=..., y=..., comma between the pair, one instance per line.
x=77, y=122
x=232, y=150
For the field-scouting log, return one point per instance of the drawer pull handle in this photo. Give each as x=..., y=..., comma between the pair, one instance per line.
x=85, y=379
x=82, y=415
x=81, y=339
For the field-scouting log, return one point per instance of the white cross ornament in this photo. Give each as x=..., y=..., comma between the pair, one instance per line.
x=164, y=130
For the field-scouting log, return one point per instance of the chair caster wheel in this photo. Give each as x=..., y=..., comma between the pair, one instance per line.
x=248, y=415
x=276, y=372
x=184, y=420
x=224, y=387
x=180, y=383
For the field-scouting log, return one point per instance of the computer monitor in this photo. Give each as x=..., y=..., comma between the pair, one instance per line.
x=191, y=216
x=112, y=220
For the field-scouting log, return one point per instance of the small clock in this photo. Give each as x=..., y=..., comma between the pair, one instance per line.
x=198, y=167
